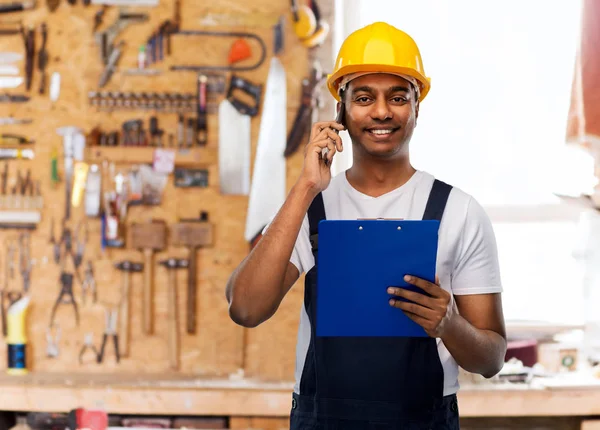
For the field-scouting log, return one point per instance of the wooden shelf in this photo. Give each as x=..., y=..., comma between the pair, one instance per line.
x=144, y=155
x=242, y=397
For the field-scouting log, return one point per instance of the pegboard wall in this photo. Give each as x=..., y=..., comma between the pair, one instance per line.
x=218, y=347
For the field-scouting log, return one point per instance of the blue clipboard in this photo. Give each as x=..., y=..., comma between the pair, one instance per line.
x=357, y=261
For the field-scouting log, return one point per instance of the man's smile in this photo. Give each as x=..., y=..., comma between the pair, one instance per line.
x=382, y=133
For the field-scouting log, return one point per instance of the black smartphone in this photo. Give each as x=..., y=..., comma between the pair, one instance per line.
x=341, y=115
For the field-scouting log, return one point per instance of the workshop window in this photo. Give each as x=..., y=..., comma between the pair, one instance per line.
x=494, y=125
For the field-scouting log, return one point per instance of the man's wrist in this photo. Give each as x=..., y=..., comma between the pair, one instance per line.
x=305, y=191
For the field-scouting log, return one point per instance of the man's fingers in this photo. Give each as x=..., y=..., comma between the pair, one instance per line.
x=329, y=133
x=413, y=308
x=319, y=127
x=412, y=296
x=418, y=319
x=320, y=146
x=430, y=288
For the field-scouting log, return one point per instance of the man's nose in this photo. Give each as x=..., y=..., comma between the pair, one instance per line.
x=381, y=110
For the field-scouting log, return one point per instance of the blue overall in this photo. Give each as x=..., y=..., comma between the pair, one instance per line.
x=352, y=383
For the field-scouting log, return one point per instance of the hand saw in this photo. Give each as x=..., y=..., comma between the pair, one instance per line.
x=235, y=138
x=243, y=35
x=267, y=193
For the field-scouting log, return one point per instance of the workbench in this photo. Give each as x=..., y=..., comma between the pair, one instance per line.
x=243, y=397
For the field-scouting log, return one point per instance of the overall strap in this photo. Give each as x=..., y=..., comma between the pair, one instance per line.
x=438, y=197
x=316, y=213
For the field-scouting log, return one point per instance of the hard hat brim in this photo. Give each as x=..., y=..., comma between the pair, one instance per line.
x=333, y=79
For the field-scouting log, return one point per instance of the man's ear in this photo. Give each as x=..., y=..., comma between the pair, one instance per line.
x=416, y=112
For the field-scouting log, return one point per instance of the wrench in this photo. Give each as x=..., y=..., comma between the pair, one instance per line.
x=105, y=39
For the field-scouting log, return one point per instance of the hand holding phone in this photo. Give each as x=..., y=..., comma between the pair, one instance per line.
x=340, y=120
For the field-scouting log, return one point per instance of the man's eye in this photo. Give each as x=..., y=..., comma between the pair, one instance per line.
x=400, y=99
x=362, y=99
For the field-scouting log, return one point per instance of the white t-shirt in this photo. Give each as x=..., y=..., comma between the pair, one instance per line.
x=467, y=259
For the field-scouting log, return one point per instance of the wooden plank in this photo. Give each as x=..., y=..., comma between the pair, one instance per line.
x=261, y=423
x=145, y=155
x=179, y=394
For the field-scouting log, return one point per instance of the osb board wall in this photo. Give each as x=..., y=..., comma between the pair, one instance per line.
x=217, y=348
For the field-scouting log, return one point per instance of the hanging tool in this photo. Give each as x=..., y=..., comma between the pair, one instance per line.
x=6, y=294
x=88, y=343
x=106, y=39
x=149, y=237
x=89, y=284
x=201, y=111
x=25, y=260
x=239, y=51
x=237, y=84
x=311, y=88
x=268, y=190
x=65, y=297
x=11, y=57
x=10, y=28
x=11, y=81
x=111, y=64
x=235, y=136
x=80, y=241
x=54, y=178
x=8, y=70
x=54, y=86
x=17, y=6
x=126, y=268
x=29, y=41
x=200, y=68
x=15, y=154
x=234, y=150
x=98, y=18
x=14, y=139
x=11, y=297
x=55, y=244
x=15, y=121
x=71, y=137
x=110, y=330
x=43, y=59
x=52, y=350
x=172, y=264
x=192, y=233
x=13, y=98
x=180, y=131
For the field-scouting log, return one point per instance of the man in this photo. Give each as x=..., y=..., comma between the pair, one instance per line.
x=364, y=383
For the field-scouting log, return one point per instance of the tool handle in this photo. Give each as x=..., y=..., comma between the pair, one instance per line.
x=148, y=291
x=12, y=7
x=173, y=332
x=124, y=316
x=191, y=292
x=100, y=356
x=299, y=129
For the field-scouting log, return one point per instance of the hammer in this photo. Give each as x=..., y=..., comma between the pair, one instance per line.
x=192, y=233
x=172, y=264
x=125, y=267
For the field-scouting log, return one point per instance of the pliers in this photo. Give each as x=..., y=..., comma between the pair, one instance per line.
x=65, y=296
x=110, y=329
x=88, y=343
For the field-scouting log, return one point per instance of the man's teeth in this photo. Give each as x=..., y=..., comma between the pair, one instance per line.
x=381, y=131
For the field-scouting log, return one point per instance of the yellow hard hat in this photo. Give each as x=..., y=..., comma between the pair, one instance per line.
x=379, y=47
